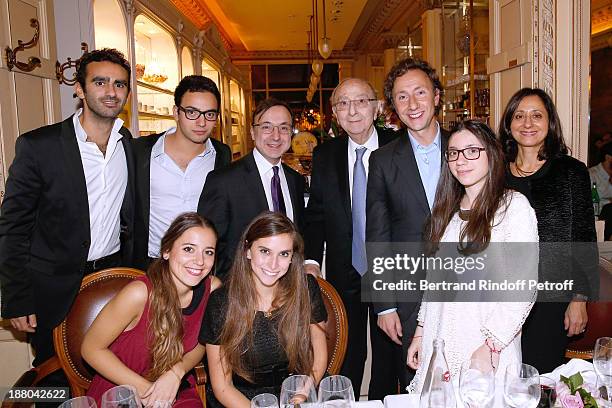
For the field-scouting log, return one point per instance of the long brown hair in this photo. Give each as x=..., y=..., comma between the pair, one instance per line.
x=476, y=234
x=165, y=329
x=291, y=302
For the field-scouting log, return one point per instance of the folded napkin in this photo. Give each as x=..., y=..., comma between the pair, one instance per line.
x=572, y=367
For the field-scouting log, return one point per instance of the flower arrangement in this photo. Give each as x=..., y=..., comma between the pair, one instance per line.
x=573, y=392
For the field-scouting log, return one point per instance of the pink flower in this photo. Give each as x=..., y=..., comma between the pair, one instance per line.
x=562, y=390
x=571, y=401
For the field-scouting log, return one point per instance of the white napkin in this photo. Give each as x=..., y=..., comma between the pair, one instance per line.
x=572, y=367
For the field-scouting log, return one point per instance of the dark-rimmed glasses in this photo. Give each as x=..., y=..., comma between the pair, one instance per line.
x=210, y=115
x=268, y=128
x=357, y=103
x=470, y=153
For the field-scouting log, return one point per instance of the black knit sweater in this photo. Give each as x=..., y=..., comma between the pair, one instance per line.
x=560, y=194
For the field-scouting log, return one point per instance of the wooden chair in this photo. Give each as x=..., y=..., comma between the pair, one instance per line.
x=600, y=316
x=96, y=291
x=336, y=331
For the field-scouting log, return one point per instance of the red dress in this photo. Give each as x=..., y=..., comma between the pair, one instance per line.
x=132, y=349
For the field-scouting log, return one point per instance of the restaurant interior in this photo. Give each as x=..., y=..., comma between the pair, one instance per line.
x=298, y=51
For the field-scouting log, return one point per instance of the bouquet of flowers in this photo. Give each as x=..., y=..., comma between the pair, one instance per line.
x=573, y=392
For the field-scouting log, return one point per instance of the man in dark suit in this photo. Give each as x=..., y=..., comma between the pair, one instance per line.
x=234, y=195
x=171, y=167
x=333, y=215
x=68, y=209
x=401, y=190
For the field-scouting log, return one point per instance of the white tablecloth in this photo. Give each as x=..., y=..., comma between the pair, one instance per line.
x=402, y=401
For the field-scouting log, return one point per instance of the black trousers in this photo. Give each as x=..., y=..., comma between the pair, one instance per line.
x=390, y=374
x=544, y=337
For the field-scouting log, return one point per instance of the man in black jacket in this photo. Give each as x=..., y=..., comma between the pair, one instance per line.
x=401, y=190
x=68, y=209
x=258, y=182
x=171, y=167
x=336, y=215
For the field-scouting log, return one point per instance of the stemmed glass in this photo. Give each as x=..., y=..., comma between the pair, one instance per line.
x=548, y=395
x=264, y=401
x=296, y=390
x=522, y=386
x=122, y=396
x=336, y=391
x=602, y=361
x=79, y=402
x=477, y=383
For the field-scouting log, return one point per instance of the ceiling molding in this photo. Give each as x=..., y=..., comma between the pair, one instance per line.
x=197, y=12
x=240, y=55
x=601, y=19
x=381, y=20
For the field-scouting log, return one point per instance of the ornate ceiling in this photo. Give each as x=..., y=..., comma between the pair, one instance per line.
x=277, y=28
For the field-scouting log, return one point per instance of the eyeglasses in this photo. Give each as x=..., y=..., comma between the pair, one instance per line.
x=470, y=153
x=193, y=114
x=520, y=116
x=268, y=128
x=357, y=103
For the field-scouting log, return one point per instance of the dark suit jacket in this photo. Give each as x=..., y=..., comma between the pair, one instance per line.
x=44, y=225
x=142, y=153
x=329, y=217
x=396, y=204
x=233, y=196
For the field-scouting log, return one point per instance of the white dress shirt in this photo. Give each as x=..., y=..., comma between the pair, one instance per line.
x=106, y=179
x=371, y=144
x=172, y=191
x=265, y=173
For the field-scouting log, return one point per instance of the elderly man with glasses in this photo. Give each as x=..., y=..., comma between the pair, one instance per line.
x=336, y=215
x=258, y=182
x=171, y=167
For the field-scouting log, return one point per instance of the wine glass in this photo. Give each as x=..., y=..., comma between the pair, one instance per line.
x=522, y=386
x=477, y=383
x=603, y=394
x=79, y=402
x=336, y=391
x=548, y=390
x=296, y=390
x=602, y=361
x=264, y=401
x=121, y=396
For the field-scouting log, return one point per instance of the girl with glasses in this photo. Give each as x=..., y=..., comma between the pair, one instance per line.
x=473, y=213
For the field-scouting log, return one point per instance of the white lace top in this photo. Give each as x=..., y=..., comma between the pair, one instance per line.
x=464, y=326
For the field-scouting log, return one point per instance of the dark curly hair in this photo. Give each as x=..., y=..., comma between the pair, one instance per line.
x=554, y=145
x=196, y=83
x=405, y=65
x=105, y=54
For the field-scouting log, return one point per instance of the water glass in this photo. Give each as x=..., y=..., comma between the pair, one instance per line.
x=122, y=396
x=477, y=384
x=522, y=386
x=548, y=392
x=79, y=402
x=336, y=391
x=602, y=360
x=603, y=394
x=264, y=401
x=297, y=389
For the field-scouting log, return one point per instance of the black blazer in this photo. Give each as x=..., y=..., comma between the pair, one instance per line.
x=142, y=153
x=328, y=217
x=44, y=224
x=233, y=196
x=396, y=204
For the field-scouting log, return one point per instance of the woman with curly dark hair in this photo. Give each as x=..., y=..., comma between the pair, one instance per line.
x=558, y=189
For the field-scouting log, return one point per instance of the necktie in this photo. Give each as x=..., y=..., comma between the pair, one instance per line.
x=359, y=260
x=278, y=202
